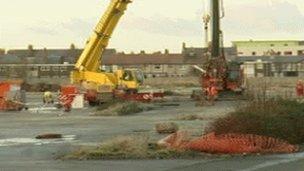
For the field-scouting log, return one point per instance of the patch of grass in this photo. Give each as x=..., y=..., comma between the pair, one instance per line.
x=109, y=104
x=172, y=93
x=119, y=108
x=130, y=108
x=278, y=118
x=129, y=147
x=189, y=117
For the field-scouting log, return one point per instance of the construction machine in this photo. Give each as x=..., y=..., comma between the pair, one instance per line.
x=226, y=76
x=100, y=85
x=12, y=98
x=87, y=72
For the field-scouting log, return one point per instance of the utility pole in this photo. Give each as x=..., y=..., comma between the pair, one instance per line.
x=206, y=20
x=215, y=18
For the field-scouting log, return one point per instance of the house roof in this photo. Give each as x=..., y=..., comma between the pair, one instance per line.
x=53, y=56
x=9, y=59
x=142, y=59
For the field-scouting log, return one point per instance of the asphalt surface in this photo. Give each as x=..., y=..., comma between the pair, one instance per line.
x=19, y=150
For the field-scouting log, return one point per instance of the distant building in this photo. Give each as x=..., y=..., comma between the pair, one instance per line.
x=40, y=64
x=190, y=52
x=57, y=63
x=272, y=66
x=43, y=64
x=47, y=56
x=269, y=48
x=155, y=65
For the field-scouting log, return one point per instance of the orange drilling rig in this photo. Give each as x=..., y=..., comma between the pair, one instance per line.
x=217, y=72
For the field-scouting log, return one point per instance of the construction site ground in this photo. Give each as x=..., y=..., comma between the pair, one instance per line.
x=19, y=150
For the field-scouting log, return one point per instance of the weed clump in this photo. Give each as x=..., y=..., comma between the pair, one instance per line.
x=166, y=128
x=130, y=108
x=277, y=118
x=129, y=147
x=119, y=108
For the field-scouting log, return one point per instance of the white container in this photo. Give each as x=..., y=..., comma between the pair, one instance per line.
x=78, y=102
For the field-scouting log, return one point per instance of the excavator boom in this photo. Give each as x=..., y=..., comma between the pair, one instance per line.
x=100, y=84
x=90, y=59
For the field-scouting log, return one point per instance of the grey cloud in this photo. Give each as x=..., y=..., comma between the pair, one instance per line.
x=164, y=26
x=245, y=19
x=260, y=18
x=43, y=30
x=78, y=26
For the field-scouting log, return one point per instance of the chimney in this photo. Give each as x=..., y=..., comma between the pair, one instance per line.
x=167, y=52
x=184, y=45
x=2, y=51
x=30, y=49
x=72, y=46
x=45, y=56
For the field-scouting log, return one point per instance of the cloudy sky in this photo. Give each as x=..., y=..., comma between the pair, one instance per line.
x=151, y=25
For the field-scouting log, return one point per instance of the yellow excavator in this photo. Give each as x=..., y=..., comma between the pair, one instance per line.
x=100, y=84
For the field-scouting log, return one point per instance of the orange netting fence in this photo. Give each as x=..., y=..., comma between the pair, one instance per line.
x=228, y=143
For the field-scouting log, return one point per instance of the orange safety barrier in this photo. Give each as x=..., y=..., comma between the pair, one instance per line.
x=7, y=104
x=229, y=144
x=4, y=88
x=67, y=96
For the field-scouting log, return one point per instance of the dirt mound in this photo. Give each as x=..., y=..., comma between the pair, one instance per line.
x=166, y=128
x=49, y=136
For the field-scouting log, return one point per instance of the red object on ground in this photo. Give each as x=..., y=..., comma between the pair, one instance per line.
x=300, y=89
x=212, y=91
x=140, y=97
x=67, y=95
x=68, y=90
x=4, y=88
x=91, y=95
x=8, y=105
x=229, y=144
x=5, y=103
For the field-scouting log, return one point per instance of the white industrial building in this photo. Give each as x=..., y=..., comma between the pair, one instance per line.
x=269, y=48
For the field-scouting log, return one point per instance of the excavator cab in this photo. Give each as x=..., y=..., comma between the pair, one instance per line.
x=235, y=80
x=139, y=76
x=129, y=82
x=128, y=76
x=129, y=79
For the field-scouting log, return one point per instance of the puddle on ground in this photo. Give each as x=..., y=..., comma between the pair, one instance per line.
x=36, y=142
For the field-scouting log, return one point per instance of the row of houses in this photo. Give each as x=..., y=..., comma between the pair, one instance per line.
x=58, y=63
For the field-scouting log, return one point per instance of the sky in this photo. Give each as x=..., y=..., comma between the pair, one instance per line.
x=150, y=25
